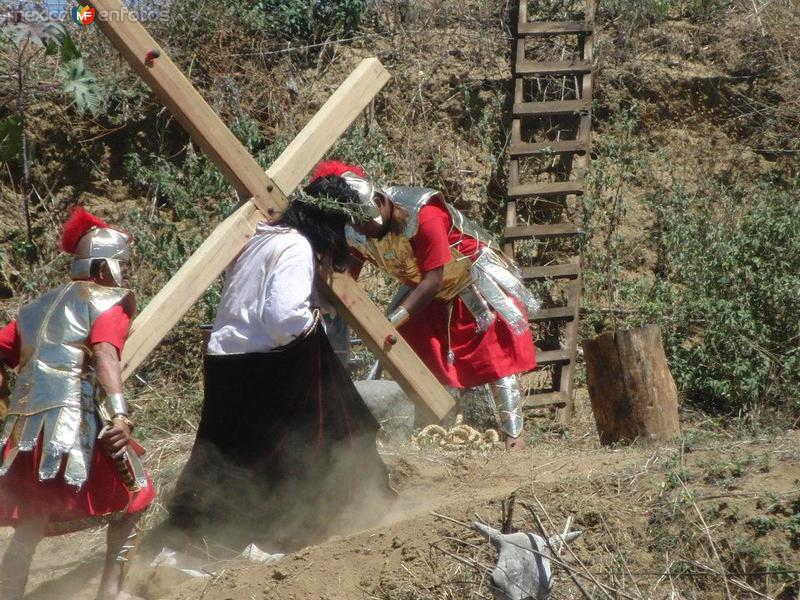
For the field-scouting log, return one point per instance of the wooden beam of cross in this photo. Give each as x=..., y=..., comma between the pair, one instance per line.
x=267, y=193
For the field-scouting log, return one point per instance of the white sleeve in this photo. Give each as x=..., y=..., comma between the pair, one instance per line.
x=287, y=307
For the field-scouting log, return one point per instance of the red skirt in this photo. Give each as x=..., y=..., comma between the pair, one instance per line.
x=479, y=357
x=102, y=498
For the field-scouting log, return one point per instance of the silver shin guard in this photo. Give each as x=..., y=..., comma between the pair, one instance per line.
x=509, y=403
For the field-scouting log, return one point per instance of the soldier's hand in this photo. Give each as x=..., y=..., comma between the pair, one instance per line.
x=116, y=438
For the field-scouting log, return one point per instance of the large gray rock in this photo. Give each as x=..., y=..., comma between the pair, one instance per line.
x=390, y=406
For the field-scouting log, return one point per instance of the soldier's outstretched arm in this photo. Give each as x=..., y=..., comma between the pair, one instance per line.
x=109, y=376
x=419, y=297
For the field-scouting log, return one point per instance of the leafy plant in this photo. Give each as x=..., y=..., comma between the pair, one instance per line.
x=10, y=138
x=368, y=148
x=792, y=527
x=309, y=21
x=51, y=38
x=726, y=277
x=762, y=524
x=33, y=41
x=728, y=292
x=620, y=164
x=82, y=85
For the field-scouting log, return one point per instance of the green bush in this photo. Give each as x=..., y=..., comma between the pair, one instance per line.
x=629, y=17
x=724, y=284
x=306, y=21
x=369, y=148
x=728, y=297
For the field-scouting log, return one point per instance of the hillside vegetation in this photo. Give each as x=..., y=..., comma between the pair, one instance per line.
x=692, y=219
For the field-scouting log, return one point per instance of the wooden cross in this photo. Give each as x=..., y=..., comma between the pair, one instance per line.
x=267, y=194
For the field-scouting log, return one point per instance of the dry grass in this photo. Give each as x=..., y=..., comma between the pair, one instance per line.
x=656, y=530
x=164, y=460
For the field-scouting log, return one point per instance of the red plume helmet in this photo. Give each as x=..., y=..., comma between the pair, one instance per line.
x=356, y=179
x=88, y=238
x=335, y=167
x=76, y=227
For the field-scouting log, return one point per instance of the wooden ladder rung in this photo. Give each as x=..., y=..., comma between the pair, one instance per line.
x=531, y=67
x=540, y=231
x=557, y=393
x=558, y=107
x=553, y=27
x=551, y=188
x=549, y=357
x=525, y=149
x=563, y=271
x=555, y=313
x=555, y=399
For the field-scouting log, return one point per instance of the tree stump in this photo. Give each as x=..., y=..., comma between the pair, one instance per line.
x=631, y=387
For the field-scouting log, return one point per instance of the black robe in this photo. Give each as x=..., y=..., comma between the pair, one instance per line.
x=285, y=451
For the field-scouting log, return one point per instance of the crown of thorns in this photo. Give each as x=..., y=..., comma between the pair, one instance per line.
x=356, y=212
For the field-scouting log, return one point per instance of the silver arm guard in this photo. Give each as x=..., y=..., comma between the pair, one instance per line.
x=115, y=404
x=399, y=316
x=509, y=402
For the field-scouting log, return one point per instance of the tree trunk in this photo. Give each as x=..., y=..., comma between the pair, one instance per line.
x=631, y=387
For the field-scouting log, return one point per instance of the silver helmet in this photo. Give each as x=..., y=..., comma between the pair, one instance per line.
x=367, y=191
x=101, y=243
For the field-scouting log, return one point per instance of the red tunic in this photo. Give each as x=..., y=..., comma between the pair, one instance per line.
x=23, y=496
x=479, y=358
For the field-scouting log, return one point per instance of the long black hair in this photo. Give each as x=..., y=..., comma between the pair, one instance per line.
x=324, y=229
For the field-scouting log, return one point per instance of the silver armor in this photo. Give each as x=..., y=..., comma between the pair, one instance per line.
x=115, y=404
x=56, y=392
x=101, y=243
x=366, y=191
x=398, y=316
x=509, y=403
x=502, y=396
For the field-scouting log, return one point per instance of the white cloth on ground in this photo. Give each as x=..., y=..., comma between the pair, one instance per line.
x=267, y=298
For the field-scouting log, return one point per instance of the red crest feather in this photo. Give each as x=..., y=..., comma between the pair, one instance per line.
x=80, y=221
x=335, y=167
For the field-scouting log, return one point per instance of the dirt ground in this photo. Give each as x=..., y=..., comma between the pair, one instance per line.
x=657, y=522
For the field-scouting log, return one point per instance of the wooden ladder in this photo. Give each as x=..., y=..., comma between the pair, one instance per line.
x=551, y=125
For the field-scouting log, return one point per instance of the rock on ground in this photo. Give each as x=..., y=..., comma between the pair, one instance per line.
x=390, y=406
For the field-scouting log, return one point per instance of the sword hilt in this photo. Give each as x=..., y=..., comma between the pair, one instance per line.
x=123, y=463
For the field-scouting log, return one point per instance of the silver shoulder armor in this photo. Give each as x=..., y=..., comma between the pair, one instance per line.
x=412, y=199
x=54, y=393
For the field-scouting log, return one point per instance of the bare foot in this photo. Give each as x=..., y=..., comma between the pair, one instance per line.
x=514, y=444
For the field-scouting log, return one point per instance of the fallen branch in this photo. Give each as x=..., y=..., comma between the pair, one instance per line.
x=452, y=520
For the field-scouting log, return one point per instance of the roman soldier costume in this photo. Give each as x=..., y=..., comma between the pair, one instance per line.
x=484, y=279
x=476, y=330
x=51, y=464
